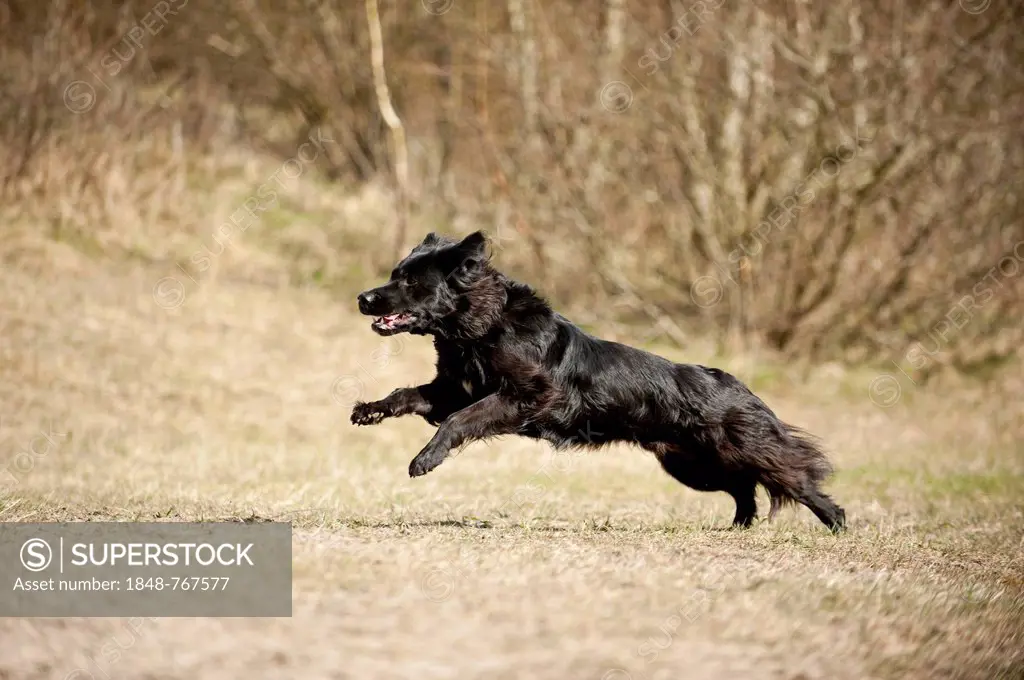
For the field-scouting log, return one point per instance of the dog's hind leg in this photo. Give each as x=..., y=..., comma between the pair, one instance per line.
x=792, y=468
x=706, y=475
x=746, y=503
x=824, y=508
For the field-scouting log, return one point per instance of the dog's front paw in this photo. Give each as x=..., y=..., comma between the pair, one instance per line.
x=424, y=463
x=368, y=414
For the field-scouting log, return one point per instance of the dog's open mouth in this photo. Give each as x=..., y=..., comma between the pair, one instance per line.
x=393, y=322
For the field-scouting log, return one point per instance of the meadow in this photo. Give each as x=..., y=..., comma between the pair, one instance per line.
x=509, y=560
x=822, y=198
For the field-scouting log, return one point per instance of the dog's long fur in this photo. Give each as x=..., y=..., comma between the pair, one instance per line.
x=508, y=364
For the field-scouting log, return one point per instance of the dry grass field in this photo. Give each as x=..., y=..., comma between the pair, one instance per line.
x=508, y=561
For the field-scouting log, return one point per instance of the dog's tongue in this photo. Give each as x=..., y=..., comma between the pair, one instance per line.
x=391, y=319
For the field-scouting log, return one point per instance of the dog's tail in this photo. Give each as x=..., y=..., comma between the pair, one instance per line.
x=802, y=467
x=789, y=462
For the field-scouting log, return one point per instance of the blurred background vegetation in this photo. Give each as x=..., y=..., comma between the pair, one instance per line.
x=826, y=180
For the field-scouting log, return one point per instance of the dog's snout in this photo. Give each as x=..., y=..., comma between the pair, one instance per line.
x=367, y=300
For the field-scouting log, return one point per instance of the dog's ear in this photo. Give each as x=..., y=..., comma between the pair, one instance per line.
x=471, y=253
x=473, y=250
x=474, y=245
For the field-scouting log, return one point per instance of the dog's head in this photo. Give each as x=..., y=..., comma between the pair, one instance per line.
x=426, y=286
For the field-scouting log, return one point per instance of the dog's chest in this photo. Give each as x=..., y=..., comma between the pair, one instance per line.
x=474, y=372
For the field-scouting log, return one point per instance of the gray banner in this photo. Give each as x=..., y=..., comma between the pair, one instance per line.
x=146, y=569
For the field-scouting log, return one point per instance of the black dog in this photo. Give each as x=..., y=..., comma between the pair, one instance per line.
x=508, y=364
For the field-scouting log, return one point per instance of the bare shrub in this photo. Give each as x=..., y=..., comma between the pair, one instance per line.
x=827, y=180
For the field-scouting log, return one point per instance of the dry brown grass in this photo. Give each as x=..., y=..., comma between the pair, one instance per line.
x=228, y=406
